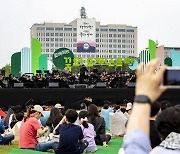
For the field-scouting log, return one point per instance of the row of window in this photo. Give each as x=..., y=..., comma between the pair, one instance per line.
x=75, y=29
x=98, y=51
x=97, y=35
x=75, y=40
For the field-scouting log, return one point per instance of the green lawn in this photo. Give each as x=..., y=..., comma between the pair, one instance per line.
x=113, y=148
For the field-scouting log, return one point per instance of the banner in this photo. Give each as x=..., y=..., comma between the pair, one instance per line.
x=86, y=35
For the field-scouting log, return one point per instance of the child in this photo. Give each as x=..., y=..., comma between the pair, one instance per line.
x=71, y=136
x=88, y=131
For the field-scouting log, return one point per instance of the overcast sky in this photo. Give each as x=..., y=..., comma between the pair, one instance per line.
x=155, y=19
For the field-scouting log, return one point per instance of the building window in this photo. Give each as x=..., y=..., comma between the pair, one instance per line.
x=49, y=28
x=52, y=34
x=119, y=41
x=123, y=46
x=60, y=34
x=40, y=28
x=47, y=44
x=74, y=45
x=52, y=39
x=119, y=46
x=61, y=45
x=97, y=40
x=52, y=44
x=47, y=50
x=119, y=51
x=56, y=45
x=47, y=34
x=97, y=29
x=114, y=35
x=110, y=40
x=110, y=35
x=110, y=45
x=110, y=51
x=121, y=30
x=68, y=29
x=52, y=50
x=114, y=40
x=114, y=46
x=58, y=28
x=56, y=34
x=47, y=39
x=74, y=34
x=130, y=30
x=103, y=30
x=110, y=56
x=56, y=39
x=112, y=30
x=61, y=39
x=74, y=29
x=97, y=35
x=123, y=41
x=123, y=35
x=74, y=40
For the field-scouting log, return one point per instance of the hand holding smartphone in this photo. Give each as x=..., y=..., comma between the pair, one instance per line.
x=171, y=77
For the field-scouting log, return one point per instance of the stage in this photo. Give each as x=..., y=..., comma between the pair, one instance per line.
x=69, y=97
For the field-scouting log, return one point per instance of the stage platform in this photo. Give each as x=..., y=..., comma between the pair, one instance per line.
x=69, y=97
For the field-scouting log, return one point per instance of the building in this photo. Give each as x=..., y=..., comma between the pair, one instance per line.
x=168, y=49
x=111, y=40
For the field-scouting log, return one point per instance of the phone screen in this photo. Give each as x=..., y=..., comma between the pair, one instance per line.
x=172, y=77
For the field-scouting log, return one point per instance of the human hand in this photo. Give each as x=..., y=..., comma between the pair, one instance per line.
x=104, y=144
x=148, y=83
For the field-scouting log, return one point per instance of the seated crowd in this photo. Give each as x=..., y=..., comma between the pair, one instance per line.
x=146, y=125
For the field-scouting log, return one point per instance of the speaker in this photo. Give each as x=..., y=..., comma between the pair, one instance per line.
x=18, y=85
x=80, y=86
x=131, y=84
x=72, y=86
x=100, y=85
x=53, y=85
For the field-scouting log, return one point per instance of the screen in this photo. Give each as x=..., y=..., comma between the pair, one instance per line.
x=172, y=77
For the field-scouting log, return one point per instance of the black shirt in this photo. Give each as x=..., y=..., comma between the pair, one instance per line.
x=154, y=135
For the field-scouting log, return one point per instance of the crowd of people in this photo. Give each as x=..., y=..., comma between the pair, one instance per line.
x=66, y=78
x=146, y=125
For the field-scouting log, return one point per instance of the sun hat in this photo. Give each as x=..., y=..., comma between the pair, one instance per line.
x=38, y=108
x=59, y=106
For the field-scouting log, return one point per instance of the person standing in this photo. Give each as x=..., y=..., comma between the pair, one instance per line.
x=83, y=71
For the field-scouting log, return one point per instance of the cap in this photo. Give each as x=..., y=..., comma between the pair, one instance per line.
x=38, y=108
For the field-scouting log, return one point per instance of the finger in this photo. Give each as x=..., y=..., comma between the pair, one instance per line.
x=139, y=69
x=163, y=88
x=160, y=73
x=151, y=66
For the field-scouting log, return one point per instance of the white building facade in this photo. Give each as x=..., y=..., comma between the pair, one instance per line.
x=111, y=40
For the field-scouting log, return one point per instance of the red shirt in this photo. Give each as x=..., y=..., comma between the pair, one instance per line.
x=28, y=133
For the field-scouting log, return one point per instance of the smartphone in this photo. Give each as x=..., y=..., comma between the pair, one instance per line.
x=172, y=77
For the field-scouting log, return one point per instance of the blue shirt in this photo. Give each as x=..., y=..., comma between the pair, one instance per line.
x=2, y=129
x=70, y=135
x=137, y=142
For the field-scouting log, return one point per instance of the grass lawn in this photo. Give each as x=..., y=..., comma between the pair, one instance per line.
x=113, y=148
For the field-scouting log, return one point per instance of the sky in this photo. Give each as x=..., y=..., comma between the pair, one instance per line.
x=156, y=19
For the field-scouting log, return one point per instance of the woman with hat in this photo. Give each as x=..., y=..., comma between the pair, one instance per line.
x=30, y=129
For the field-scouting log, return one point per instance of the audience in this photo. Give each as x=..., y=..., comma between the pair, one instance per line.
x=154, y=135
x=148, y=89
x=88, y=131
x=70, y=135
x=99, y=125
x=105, y=111
x=128, y=110
x=5, y=137
x=54, y=119
x=31, y=128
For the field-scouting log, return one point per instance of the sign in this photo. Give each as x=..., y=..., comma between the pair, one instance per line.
x=63, y=58
x=86, y=35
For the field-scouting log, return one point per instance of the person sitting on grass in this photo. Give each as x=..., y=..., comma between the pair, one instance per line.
x=4, y=138
x=102, y=138
x=71, y=136
x=31, y=128
x=88, y=131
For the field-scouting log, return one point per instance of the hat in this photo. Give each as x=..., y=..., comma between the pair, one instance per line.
x=129, y=106
x=59, y=106
x=38, y=108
